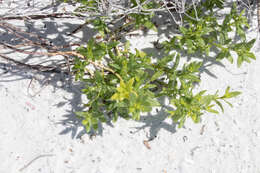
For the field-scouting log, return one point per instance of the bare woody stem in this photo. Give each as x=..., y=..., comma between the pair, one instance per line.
x=42, y=16
x=65, y=53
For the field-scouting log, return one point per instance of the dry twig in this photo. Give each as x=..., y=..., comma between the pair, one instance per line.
x=28, y=164
x=37, y=67
x=40, y=16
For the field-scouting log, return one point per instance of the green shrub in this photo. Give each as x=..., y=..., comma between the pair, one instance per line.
x=126, y=84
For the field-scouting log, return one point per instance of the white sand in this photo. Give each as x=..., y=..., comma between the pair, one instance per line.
x=45, y=126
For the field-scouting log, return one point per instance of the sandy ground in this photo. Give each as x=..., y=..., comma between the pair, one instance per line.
x=39, y=133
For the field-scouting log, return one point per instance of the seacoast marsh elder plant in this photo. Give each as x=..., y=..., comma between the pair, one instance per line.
x=124, y=83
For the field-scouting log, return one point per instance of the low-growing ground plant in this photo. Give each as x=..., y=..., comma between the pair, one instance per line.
x=126, y=83
x=123, y=83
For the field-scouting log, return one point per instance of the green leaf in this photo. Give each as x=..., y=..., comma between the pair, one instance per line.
x=209, y=109
x=148, y=24
x=81, y=114
x=250, y=55
x=130, y=82
x=222, y=38
x=241, y=32
x=207, y=99
x=220, y=56
x=226, y=20
x=239, y=61
x=116, y=66
x=150, y=86
x=136, y=116
x=88, y=127
x=176, y=63
x=153, y=103
x=115, y=117
x=156, y=75
x=95, y=126
x=140, y=54
x=191, y=77
x=90, y=49
x=228, y=103
x=127, y=45
x=230, y=58
x=166, y=59
x=232, y=94
x=250, y=44
x=124, y=90
x=112, y=44
x=220, y=105
x=98, y=76
x=183, y=30
x=201, y=42
x=181, y=122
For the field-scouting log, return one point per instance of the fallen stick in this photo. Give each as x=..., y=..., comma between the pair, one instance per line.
x=28, y=164
x=79, y=28
x=43, y=43
x=43, y=86
x=18, y=33
x=40, y=16
x=65, y=53
x=35, y=67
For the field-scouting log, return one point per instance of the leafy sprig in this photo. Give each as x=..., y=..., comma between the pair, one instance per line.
x=207, y=34
x=128, y=83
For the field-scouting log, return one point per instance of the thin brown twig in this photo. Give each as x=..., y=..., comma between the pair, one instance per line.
x=68, y=53
x=43, y=44
x=18, y=35
x=35, y=44
x=78, y=28
x=35, y=67
x=43, y=86
x=24, y=51
x=40, y=16
x=28, y=164
x=17, y=32
x=68, y=45
x=67, y=62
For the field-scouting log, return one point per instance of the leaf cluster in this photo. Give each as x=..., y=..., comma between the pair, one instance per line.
x=208, y=34
x=139, y=84
x=123, y=83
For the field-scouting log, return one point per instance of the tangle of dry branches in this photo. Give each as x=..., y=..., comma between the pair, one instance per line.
x=110, y=8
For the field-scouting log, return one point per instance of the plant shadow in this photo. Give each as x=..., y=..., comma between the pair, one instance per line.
x=155, y=123
x=57, y=33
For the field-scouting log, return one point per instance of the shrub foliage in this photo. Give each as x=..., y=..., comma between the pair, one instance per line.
x=123, y=83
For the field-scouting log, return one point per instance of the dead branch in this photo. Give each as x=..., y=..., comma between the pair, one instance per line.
x=78, y=28
x=46, y=81
x=65, y=53
x=18, y=33
x=28, y=164
x=42, y=16
x=43, y=42
x=37, y=67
